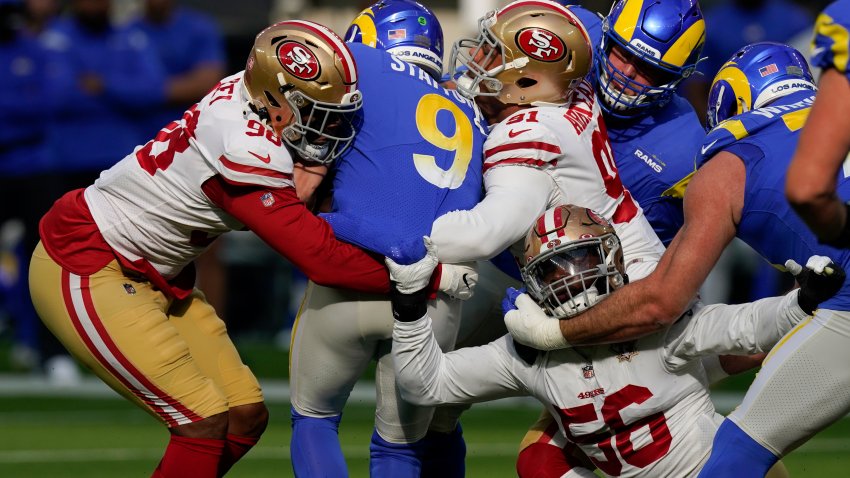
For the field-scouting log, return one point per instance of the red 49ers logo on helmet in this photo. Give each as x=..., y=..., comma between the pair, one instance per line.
x=298, y=60
x=541, y=44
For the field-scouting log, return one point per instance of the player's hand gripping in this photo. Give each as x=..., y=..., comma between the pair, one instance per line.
x=529, y=324
x=819, y=281
x=409, y=284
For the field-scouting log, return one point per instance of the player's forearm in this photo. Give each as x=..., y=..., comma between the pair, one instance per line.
x=427, y=376
x=822, y=148
x=515, y=196
x=630, y=313
x=826, y=215
x=418, y=363
x=299, y=236
x=740, y=329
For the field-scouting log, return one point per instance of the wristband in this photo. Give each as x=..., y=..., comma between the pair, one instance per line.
x=409, y=307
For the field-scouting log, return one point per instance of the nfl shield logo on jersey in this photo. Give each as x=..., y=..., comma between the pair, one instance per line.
x=129, y=289
x=267, y=199
x=587, y=371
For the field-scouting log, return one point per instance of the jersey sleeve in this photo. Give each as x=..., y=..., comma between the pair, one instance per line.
x=741, y=329
x=521, y=143
x=514, y=199
x=279, y=218
x=831, y=37
x=244, y=153
x=427, y=376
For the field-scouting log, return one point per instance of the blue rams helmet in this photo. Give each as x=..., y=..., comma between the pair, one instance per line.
x=756, y=75
x=404, y=28
x=662, y=38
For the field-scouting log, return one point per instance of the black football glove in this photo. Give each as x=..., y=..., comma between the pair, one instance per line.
x=819, y=280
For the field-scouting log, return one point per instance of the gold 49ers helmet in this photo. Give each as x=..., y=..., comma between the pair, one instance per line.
x=572, y=260
x=529, y=52
x=301, y=80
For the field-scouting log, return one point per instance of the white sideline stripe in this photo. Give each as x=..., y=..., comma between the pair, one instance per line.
x=816, y=446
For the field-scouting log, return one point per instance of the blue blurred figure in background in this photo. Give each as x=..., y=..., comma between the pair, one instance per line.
x=106, y=76
x=191, y=49
x=27, y=187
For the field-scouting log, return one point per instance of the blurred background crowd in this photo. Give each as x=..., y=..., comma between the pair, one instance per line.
x=82, y=82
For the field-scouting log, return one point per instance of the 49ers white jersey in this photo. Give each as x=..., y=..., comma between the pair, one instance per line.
x=538, y=158
x=150, y=204
x=636, y=409
x=570, y=143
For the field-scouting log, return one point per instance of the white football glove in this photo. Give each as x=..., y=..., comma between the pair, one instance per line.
x=414, y=277
x=458, y=280
x=529, y=325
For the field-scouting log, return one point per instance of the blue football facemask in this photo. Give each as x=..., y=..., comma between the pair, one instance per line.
x=662, y=39
x=755, y=76
x=403, y=28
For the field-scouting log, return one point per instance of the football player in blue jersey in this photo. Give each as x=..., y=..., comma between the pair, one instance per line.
x=825, y=140
x=419, y=155
x=758, y=104
x=646, y=49
x=759, y=101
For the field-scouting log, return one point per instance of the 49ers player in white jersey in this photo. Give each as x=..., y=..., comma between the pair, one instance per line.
x=635, y=409
x=526, y=72
x=113, y=277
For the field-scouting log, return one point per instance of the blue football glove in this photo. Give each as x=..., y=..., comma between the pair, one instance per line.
x=509, y=302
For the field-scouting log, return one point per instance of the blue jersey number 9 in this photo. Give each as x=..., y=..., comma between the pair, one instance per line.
x=461, y=142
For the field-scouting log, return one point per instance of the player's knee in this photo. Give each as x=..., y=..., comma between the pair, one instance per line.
x=249, y=420
x=214, y=426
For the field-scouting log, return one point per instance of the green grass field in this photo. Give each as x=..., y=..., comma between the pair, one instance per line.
x=65, y=438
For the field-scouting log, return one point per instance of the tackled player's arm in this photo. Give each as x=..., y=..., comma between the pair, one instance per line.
x=515, y=195
x=283, y=221
x=713, y=203
x=823, y=146
x=427, y=376
x=740, y=329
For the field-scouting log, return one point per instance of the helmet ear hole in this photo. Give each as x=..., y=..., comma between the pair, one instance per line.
x=526, y=82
